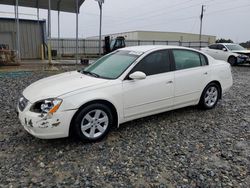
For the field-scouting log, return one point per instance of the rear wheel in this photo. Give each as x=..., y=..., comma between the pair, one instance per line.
x=232, y=60
x=210, y=96
x=93, y=122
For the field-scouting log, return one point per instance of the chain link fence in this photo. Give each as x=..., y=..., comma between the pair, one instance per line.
x=67, y=47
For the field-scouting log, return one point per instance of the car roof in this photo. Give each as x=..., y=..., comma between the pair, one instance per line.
x=146, y=48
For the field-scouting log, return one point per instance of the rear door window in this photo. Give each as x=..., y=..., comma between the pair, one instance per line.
x=185, y=59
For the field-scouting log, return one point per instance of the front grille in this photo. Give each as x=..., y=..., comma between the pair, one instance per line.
x=22, y=103
x=248, y=56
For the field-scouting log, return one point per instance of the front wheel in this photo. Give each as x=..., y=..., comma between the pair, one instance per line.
x=93, y=122
x=210, y=96
x=232, y=60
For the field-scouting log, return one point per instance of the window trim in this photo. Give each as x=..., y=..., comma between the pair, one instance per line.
x=150, y=53
x=206, y=59
x=219, y=47
x=190, y=50
x=216, y=46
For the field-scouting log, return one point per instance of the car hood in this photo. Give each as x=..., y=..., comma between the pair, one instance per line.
x=60, y=84
x=241, y=51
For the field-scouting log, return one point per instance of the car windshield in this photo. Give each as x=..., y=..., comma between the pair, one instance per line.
x=233, y=47
x=112, y=44
x=112, y=65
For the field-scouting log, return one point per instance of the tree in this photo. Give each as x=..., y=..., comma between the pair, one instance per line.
x=245, y=44
x=224, y=41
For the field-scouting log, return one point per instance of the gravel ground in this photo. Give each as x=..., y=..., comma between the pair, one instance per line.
x=182, y=148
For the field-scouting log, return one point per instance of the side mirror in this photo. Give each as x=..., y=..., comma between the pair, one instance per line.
x=224, y=49
x=138, y=75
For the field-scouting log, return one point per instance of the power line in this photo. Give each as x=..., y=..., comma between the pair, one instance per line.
x=195, y=22
x=172, y=20
x=218, y=11
x=173, y=10
x=141, y=16
x=228, y=9
x=181, y=19
x=154, y=16
x=169, y=7
x=178, y=19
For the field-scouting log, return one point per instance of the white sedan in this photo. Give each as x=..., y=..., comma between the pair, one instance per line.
x=230, y=52
x=127, y=84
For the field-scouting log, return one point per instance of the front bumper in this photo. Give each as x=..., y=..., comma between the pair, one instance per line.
x=43, y=126
x=243, y=60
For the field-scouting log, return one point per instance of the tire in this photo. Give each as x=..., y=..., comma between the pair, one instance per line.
x=210, y=96
x=232, y=60
x=93, y=122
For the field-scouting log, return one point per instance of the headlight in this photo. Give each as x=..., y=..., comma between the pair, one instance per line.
x=48, y=106
x=242, y=56
x=22, y=103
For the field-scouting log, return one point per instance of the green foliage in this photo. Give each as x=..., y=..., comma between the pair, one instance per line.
x=224, y=41
x=245, y=44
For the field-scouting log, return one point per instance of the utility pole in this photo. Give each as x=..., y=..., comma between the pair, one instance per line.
x=17, y=31
x=77, y=30
x=49, y=33
x=201, y=19
x=100, y=2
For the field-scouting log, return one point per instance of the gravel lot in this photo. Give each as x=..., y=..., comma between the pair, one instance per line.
x=182, y=148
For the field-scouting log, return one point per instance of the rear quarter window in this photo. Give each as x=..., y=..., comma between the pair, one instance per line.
x=204, y=60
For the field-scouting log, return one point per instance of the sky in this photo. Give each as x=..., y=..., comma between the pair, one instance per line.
x=228, y=19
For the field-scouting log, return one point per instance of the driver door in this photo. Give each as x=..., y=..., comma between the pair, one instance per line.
x=223, y=55
x=153, y=94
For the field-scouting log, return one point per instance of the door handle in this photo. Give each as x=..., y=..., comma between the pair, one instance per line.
x=169, y=82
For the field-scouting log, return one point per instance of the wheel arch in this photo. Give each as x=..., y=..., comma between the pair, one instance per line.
x=97, y=101
x=231, y=56
x=217, y=83
x=201, y=102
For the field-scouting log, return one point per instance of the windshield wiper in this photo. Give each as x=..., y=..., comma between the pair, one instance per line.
x=90, y=73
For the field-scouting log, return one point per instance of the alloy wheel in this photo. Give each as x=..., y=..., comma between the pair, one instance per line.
x=211, y=96
x=94, y=123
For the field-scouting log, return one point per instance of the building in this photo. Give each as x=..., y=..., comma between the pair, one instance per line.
x=32, y=36
x=163, y=36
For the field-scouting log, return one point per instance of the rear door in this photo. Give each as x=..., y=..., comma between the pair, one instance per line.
x=211, y=50
x=191, y=75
